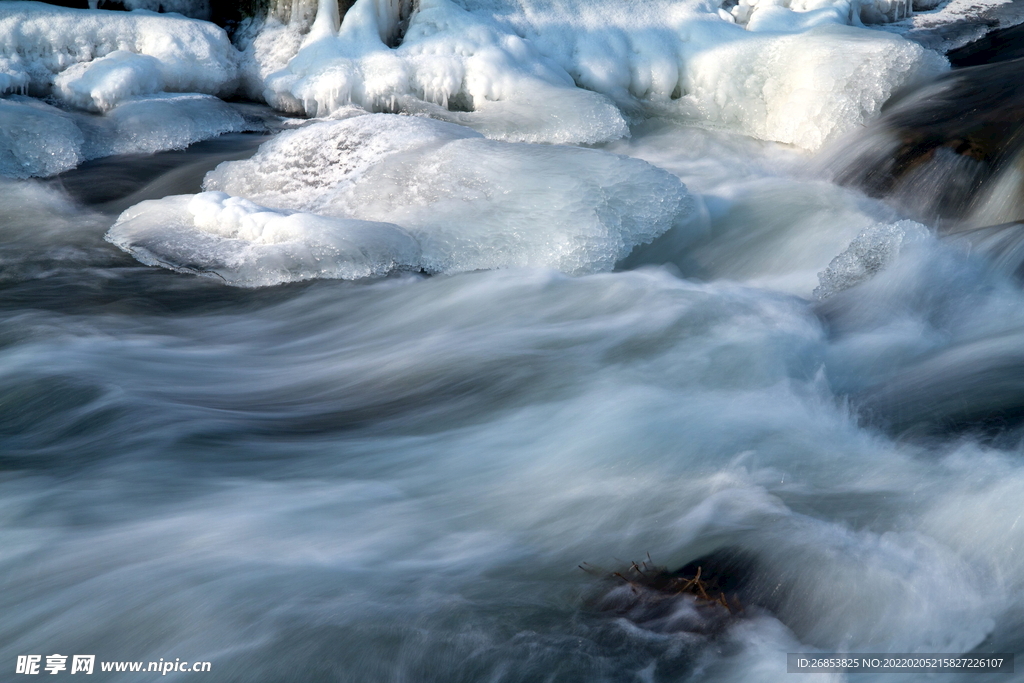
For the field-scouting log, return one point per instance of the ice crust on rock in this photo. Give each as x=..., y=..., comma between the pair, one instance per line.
x=449, y=59
x=184, y=120
x=40, y=140
x=955, y=23
x=532, y=70
x=472, y=203
x=786, y=15
x=304, y=169
x=37, y=140
x=804, y=89
x=521, y=71
x=804, y=80
x=95, y=58
x=247, y=245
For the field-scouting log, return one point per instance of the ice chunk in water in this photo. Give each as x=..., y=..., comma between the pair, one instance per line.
x=872, y=250
x=247, y=245
x=473, y=203
x=37, y=139
x=156, y=123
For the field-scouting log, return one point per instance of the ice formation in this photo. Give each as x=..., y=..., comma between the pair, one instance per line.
x=119, y=64
x=247, y=245
x=100, y=84
x=955, y=23
x=449, y=59
x=783, y=15
x=805, y=89
x=472, y=203
x=525, y=71
x=40, y=140
x=184, y=119
x=96, y=58
x=872, y=250
x=534, y=71
x=37, y=139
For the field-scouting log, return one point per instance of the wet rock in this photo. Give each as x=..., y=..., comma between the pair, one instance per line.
x=938, y=153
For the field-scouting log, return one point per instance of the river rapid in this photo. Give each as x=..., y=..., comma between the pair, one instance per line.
x=810, y=385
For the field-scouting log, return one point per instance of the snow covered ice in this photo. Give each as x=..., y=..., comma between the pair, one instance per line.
x=539, y=71
x=572, y=72
x=472, y=203
x=102, y=83
x=110, y=55
x=114, y=63
x=247, y=245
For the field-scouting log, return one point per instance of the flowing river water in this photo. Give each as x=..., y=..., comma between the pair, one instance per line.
x=813, y=389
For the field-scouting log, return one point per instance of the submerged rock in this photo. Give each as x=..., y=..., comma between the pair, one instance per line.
x=687, y=600
x=947, y=152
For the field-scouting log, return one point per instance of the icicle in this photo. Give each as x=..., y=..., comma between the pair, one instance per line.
x=327, y=19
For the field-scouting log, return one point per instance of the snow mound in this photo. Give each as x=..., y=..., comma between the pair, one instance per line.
x=472, y=203
x=39, y=140
x=100, y=84
x=246, y=245
x=94, y=58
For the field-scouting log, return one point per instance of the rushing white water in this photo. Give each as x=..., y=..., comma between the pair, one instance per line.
x=439, y=366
